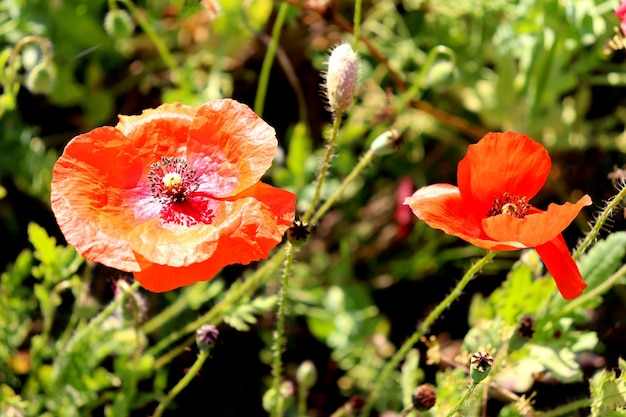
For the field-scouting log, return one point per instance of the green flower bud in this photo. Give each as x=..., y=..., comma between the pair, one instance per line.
x=41, y=78
x=119, y=24
x=424, y=397
x=386, y=142
x=206, y=336
x=480, y=366
x=306, y=374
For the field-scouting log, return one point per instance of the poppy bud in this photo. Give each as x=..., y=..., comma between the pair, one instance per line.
x=424, y=397
x=206, y=336
x=306, y=375
x=118, y=24
x=386, y=142
x=342, y=77
x=480, y=366
x=41, y=78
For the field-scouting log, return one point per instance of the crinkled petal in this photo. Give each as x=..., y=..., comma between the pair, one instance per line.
x=252, y=225
x=441, y=207
x=159, y=132
x=534, y=229
x=91, y=185
x=558, y=261
x=501, y=162
x=230, y=147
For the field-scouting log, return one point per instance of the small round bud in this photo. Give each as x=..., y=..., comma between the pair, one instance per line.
x=480, y=366
x=119, y=24
x=298, y=233
x=206, y=336
x=386, y=142
x=424, y=397
x=342, y=77
x=41, y=78
x=306, y=375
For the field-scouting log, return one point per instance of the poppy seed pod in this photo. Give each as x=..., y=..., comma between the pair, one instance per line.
x=480, y=366
x=424, y=397
x=206, y=336
x=342, y=77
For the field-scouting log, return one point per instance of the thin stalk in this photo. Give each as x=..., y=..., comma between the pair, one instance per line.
x=160, y=46
x=277, y=347
x=567, y=409
x=268, y=60
x=195, y=368
x=330, y=148
x=358, y=6
x=423, y=328
x=597, y=227
x=463, y=400
x=212, y=316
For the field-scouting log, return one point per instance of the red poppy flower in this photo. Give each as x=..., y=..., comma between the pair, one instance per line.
x=172, y=195
x=490, y=207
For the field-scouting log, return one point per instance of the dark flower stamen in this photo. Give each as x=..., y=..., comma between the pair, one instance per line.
x=513, y=205
x=172, y=180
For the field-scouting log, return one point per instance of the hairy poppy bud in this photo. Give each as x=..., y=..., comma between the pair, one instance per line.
x=41, y=78
x=342, y=77
x=118, y=24
x=480, y=366
x=306, y=375
x=424, y=397
x=206, y=336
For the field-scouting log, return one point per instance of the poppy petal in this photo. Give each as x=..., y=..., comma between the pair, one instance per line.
x=230, y=146
x=89, y=196
x=254, y=223
x=501, y=162
x=441, y=207
x=558, y=261
x=534, y=229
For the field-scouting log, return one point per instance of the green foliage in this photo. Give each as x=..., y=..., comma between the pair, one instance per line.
x=608, y=392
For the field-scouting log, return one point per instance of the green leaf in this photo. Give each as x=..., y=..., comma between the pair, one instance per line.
x=608, y=393
x=300, y=149
x=45, y=246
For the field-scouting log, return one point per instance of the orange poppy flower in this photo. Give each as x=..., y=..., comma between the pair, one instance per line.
x=172, y=195
x=490, y=207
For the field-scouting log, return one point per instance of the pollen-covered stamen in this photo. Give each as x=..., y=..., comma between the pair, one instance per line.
x=172, y=180
x=513, y=205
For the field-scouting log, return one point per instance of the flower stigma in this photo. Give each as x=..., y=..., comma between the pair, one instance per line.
x=513, y=205
x=172, y=180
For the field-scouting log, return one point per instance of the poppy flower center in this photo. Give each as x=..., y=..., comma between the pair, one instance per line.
x=172, y=180
x=513, y=205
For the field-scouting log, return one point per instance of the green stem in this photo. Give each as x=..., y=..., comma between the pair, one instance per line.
x=259, y=277
x=67, y=350
x=423, y=328
x=166, y=315
x=330, y=148
x=279, y=334
x=597, y=227
x=463, y=400
x=195, y=368
x=268, y=60
x=160, y=46
x=356, y=31
x=567, y=409
x=596, y=292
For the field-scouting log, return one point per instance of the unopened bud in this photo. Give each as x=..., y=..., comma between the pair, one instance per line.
x=206, y=336
x=424, y=397
x=119, y=24
x=306, y=375
x=342, y=77
x=480, y=366
x=386, y=142
x=41, y=78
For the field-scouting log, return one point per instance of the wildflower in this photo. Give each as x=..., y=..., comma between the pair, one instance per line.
x=174, y=194
x=342, y=77
x=490, y=207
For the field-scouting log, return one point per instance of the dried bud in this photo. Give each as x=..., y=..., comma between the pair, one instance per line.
x=524, y=333
x=424, y=397
x=480, y=366
x=342, y=77
x=41, y=78
x=206, y=336
x=298, y=233
x=119, y=24
x=306, y=375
